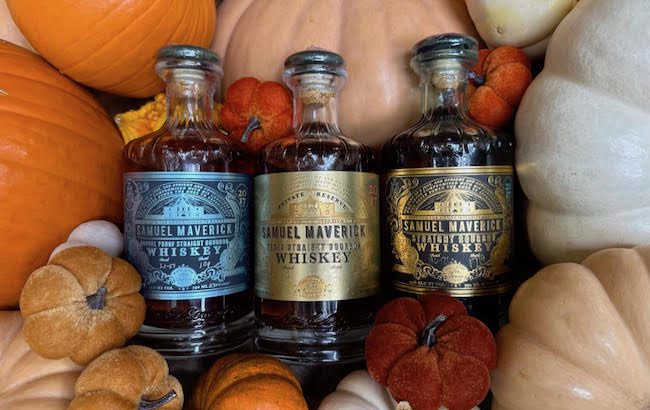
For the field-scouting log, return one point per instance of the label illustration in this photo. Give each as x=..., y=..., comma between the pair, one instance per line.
x=451, y=229
x=317, y=235
x=187, y=233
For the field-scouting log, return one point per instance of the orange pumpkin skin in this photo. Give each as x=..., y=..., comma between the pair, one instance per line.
x=373, y=36
x=111, y=45
x=60, y=164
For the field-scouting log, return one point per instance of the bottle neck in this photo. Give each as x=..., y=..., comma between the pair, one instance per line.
x=443, y=87
x=315, y=103
x=190, y=99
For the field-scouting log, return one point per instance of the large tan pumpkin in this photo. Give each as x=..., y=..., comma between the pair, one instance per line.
x=8, y=29
x=374, y=36
x=28, y=381
x=60, y=164
x=579, y=337
x=111, y=45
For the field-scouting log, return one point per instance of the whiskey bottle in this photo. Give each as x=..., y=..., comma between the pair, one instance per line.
x=188, y=218
x=317, y=275
x=448, y=191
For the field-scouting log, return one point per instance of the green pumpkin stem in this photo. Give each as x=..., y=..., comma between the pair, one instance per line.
x=98, y=300
x=253, y=124
x=156, y=404
x=429, y=333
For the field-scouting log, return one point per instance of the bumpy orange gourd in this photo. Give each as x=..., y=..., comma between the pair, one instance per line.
x=29, y=381
x=248, y=381
x=111, y=45
x=60, y=164
x=374, y=36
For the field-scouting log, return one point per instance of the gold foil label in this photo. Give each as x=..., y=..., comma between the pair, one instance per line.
x=450, y=229
x=317, y=235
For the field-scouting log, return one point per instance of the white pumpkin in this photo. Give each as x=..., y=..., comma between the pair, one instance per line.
x=99, y=233
x=583, y=134
x=526, y=24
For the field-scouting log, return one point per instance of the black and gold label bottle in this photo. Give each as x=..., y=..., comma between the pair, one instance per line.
x=448, y=191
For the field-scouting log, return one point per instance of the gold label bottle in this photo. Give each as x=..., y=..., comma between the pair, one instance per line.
x=316, y=226
x=448, y=191
x=188, y=217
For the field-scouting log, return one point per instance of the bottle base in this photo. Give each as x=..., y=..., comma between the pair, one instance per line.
x=211, y=341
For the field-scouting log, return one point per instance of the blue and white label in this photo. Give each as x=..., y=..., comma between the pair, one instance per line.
x=188, y=233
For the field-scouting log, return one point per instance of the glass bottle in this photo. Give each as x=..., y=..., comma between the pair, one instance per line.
x=448, y=191
x=317, y=275
x=188, y=217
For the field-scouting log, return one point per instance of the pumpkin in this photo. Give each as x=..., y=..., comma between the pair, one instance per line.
x=100, y=234
x=430, y=353
x=583, y=131
x=28, y=381
x=248, y=381
x=8, y=29
x=498, y=83
x=526, y=24
x=255, y=113
x=112, y=45
x=81, y=304
x=60, y=164
x=578, y=337
x=374, y=37
x=132, y=378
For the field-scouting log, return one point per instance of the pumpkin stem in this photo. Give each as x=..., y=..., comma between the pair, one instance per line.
x=156, y=404
x=98, y=300
x=253, y=124
x=478, y=79
x=429, y=333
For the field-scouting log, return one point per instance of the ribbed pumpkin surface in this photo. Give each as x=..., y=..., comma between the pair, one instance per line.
x=60, y=164
x=30, y=382
x=111, y=45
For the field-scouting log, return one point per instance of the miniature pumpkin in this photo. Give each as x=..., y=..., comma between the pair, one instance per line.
x=60, y=164
x=8, y=29
x=28, y=381
x=526, y=24
x=583, y=131
x=578, y=337
x=255, y=113
x=430, y=353
x=374, y=37
x=100, y=234
x=112, y=45
x=248, y=381
x=132, y=378
x=498, y=83
x=81, y=304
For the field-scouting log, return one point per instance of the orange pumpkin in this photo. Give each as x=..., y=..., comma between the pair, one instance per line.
x=8, y=29
x=60, y=164
x=374, y=36
x=248, y=381
x=111, y=45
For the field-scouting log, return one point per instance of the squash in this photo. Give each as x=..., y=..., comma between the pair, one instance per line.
x=248, y=381
x=132, y=378
x=100, y=234
x=583, y=132
x=112, y=45
x=374, y=37
x=8, y=29
x=81, y=304
x=28, y=381
x=60, y=164
x=526, y=24
x=578, y=337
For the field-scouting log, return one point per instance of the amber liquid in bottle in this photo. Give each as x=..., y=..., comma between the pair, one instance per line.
x=319, y=330
x=190, y=143
x=445, y=142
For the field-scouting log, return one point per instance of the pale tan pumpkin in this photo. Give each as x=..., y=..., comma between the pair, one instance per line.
x=29, y=381
x=374, y=37
x=579, y=337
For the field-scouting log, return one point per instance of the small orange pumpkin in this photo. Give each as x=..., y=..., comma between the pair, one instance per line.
x=248, y=381
x=111, y=45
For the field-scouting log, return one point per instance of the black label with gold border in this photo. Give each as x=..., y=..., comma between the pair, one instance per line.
x=450, y=229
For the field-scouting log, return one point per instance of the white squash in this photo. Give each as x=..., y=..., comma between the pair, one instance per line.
x=583, y=134
x=99, y=233
x=526, y=24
